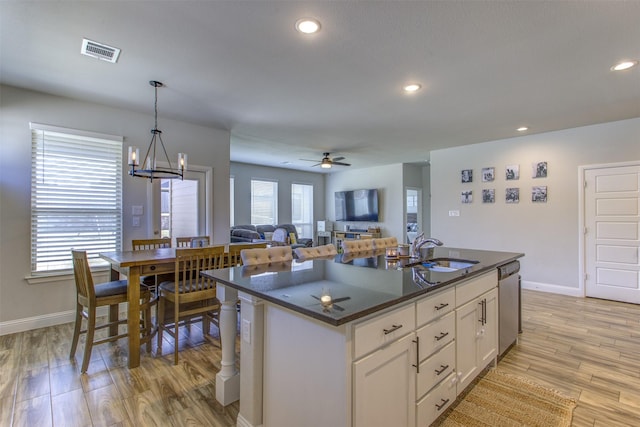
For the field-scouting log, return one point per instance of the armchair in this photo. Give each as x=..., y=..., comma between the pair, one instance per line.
x=300, y=242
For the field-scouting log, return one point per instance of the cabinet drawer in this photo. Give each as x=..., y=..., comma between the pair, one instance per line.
x=436, y=402
x=475, y=287
x=436, y=335
x=434, y=306
x=436, y=368
x=383, y=329
x=148, y=270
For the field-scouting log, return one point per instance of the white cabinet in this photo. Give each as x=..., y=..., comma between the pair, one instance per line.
x=384, y=386
x=477, y=336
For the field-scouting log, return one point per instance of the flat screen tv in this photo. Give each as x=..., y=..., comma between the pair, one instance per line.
x=357, y=205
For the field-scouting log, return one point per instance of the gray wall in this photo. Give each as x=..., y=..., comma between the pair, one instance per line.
x=547, y=233
x=243, y=174
x=24, y=305
x=389, y=182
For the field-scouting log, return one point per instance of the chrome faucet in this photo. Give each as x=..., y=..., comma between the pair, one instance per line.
x=420, y=241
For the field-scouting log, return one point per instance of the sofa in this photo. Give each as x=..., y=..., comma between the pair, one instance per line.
x=249, y=233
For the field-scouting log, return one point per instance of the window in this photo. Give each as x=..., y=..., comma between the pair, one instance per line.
x=264, y=202
x=178, y=208
x=76, y=196
x=302, y=209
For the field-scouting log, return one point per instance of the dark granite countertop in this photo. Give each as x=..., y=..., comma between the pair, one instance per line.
x=357, y=285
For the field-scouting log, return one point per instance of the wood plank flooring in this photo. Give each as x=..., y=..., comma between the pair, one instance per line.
x=587, y=349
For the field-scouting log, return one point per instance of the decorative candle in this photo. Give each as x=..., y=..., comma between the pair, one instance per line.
x=392, y=252
x=134, y=155
x=182, y=161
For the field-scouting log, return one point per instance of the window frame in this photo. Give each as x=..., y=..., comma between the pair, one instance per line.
x=300, y=226
x=273, y=203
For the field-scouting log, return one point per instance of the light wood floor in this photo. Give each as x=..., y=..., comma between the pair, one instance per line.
x=587, y=349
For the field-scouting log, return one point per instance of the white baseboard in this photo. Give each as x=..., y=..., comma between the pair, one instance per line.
x=553, y=289
x=29, y=323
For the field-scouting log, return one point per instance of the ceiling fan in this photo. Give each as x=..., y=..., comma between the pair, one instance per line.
x=327, y=161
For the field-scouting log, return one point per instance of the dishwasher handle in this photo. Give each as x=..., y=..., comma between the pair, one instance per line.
x=508, y=269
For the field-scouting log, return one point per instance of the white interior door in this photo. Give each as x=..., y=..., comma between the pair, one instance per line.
x=612, y=235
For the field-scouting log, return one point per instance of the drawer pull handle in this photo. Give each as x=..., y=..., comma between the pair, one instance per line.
x=443, y=368
x=444, y=402
x=441, y=306
x=393, y=328
x=417, y=365
x=442, y=335
x=152, y=268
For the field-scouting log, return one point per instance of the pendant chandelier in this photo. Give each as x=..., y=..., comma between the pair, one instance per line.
x=150, y=168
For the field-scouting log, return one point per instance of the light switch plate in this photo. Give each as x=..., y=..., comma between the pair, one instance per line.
x=136, y=210
x=454, y=213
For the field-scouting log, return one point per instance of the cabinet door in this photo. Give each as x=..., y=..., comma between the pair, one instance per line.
x=488, y=337
x=384, y=386
x=467, y=321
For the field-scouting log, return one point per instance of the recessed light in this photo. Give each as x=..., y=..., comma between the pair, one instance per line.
x=308, y=25
x=624, y=65
x=412, y=87
x=522, y=129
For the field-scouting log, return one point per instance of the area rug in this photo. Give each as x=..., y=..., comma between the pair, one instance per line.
x=500, y=399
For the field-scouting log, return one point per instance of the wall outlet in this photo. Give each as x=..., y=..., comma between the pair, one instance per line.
x=454, y=213
x=135, y=221
x=246, y=331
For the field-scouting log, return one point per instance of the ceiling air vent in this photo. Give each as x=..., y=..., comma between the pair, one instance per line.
x=100, y=51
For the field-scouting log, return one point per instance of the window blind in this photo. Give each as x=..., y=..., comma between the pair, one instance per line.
x=302, y=209
x=76, y=196
x=264, y=202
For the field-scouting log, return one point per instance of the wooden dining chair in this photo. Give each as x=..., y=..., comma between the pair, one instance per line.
x=233, y=255
x=188, y=242
x=192, y=296
x=147, y=244
x=90, y=296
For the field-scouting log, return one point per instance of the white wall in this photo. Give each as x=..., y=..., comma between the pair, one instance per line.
x=243, y=174
x=546, y=232
x=389, y=182
x=35, y=302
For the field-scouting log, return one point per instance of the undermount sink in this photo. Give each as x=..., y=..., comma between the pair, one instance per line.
x=446, y=265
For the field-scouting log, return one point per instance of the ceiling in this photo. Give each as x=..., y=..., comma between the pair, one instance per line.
x=486, y=67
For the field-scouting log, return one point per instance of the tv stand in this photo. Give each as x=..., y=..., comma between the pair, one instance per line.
x=340, y=236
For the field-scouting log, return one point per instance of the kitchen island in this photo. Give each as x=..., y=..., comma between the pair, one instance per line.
x=362, y=340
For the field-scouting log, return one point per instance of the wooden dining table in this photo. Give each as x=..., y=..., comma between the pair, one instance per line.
x=134, y=264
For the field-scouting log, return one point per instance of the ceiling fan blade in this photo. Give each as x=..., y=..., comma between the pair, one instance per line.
x=337, y=159
x=341, y=164
x=317, y=164
x=341, y=299
x=309, y=160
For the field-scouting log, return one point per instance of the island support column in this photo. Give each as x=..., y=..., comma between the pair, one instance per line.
x=251, y=360
x=228, y=379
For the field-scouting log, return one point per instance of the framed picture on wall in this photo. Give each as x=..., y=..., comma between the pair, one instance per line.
x=488, y=195
x=539, y=194
x=467, y=175
x=488, y=174
x=512, y=172
x=512, y=195
x=539, y=170
x=466, y=196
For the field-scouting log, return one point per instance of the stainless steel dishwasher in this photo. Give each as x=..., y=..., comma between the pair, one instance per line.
x=509, y=304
